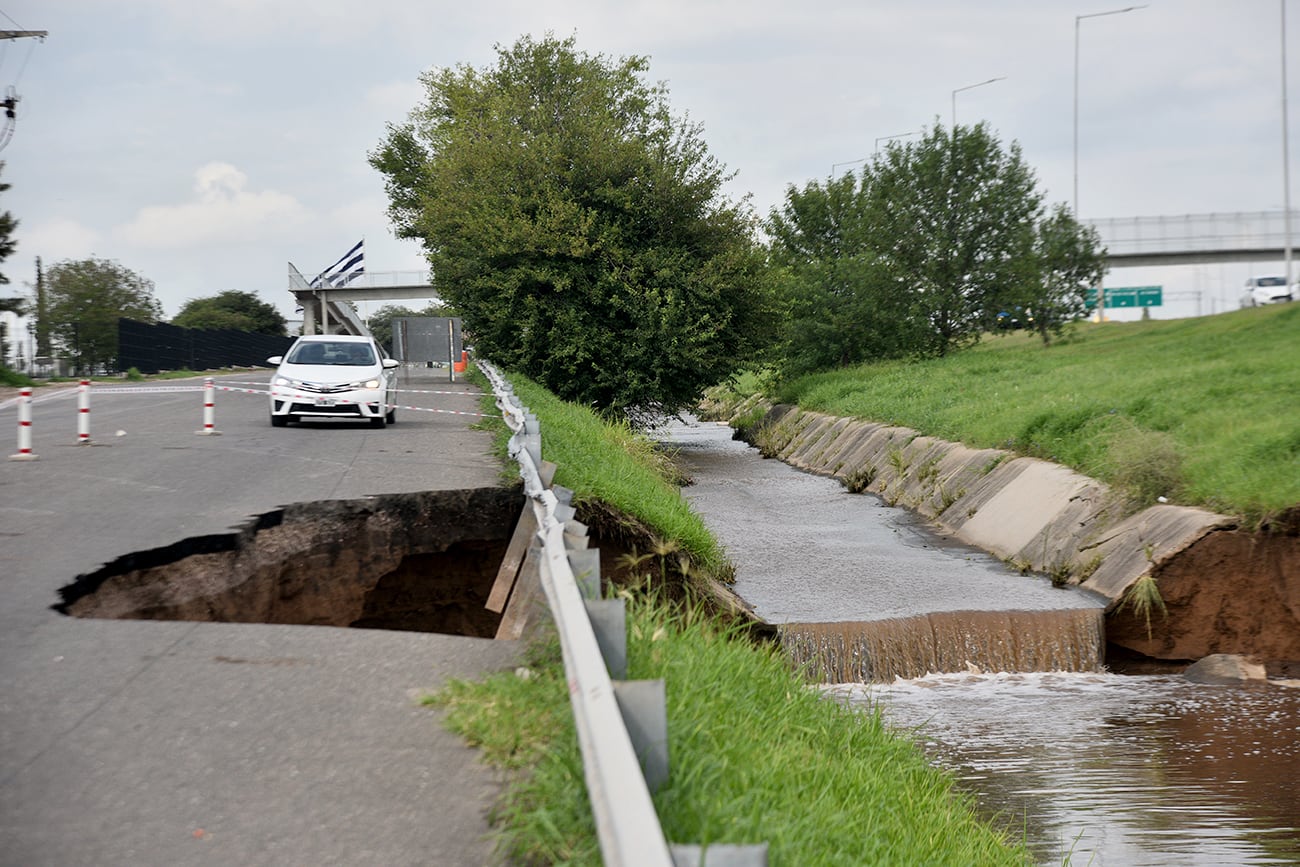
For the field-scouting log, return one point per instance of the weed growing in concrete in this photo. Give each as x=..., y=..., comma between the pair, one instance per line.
x=947, y=497
x=1142, y=598
x=899, y=462
x=860, y=479
x=1060, y=573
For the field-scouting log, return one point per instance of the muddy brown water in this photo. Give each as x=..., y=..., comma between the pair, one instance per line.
x=1088, y=766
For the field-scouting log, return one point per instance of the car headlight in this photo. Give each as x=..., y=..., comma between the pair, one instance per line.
x=371, y=383
x=283, y=380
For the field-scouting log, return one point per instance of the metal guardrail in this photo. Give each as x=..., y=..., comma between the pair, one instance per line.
x=613, y=719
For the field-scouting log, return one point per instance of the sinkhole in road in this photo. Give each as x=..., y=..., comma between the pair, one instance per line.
x=420, y=562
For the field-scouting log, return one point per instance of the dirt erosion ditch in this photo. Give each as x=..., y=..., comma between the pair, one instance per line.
x=418, y=562
x=421, y=562
x=1222, y=589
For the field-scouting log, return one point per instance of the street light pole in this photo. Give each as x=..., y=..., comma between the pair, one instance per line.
x=835, y=166
x=968, y=87
x=1077, y=19
x=1286, y=160
x=891, y=138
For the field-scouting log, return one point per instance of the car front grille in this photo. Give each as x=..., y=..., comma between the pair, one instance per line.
x=312, y=409
x=325, y=387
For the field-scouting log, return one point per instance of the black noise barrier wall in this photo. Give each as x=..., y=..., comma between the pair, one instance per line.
x=153, y=348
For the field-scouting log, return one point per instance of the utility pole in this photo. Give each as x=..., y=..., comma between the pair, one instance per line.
x=10, y=102
x=1286, y=162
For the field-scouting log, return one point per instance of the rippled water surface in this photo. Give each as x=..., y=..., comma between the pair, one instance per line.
x=806, y=550
x=1116, y=770
x=1092, y=768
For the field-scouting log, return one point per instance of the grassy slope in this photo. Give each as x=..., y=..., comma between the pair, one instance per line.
x=756, y=757
x=1224, y=391
x=613, y=464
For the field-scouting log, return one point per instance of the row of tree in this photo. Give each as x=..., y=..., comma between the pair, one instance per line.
x=581, y=230
x=78, y=303
x=923, y=252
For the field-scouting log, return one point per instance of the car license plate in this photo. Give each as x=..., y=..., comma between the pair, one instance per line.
x=325, y=401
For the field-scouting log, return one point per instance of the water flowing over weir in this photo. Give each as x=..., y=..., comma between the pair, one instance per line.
x=861, y=591
x=999, y=677
x=884, y=650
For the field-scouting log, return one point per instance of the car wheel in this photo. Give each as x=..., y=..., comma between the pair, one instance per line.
x=279, y=421
x=377, y=421
x=392, y=416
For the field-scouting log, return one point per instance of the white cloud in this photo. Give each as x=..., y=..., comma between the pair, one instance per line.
x=222, y=211
x=395, y=99
x=56, y=239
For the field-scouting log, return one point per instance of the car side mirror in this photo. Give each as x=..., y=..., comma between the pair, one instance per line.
x=275, y=360
x=390, y=363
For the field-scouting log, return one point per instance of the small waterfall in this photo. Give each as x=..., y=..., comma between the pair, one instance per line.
x=882, y=650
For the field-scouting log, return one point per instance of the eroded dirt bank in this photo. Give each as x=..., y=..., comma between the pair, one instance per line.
x=1229, y=592
x=1224, y=590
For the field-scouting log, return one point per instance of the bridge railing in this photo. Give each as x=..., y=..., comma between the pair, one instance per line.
x=1263, y=230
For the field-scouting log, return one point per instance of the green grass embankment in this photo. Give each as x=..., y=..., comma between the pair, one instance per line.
x=1203, y=411
x=756, y=755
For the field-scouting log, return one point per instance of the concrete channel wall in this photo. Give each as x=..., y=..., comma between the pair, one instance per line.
x=1031, y=513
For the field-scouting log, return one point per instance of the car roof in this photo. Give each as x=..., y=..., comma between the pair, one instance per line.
x=335, y=338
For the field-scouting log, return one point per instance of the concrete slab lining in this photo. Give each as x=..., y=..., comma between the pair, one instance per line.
x=1036, y=514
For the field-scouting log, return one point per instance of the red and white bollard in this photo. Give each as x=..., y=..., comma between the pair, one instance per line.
x=24, y=428
x=83, y=413
x=209, y=411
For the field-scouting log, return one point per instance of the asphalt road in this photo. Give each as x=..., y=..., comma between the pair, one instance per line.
x=150, y=743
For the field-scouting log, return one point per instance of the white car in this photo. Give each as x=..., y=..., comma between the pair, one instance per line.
x=334, y=376
x=1265, y=290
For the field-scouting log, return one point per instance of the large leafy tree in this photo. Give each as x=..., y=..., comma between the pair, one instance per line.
x=920, y=254
x=86, y=297
x=954, y=214
x=232, y=309
x=578, y=227
x=841, y=304
x=1070, y=259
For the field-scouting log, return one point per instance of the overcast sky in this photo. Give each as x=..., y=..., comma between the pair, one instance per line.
x=206, y=145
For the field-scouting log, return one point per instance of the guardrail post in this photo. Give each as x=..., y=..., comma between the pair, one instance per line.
x=83, y=413
x=644, y=707
x=209, y=411
x=609, y=621
x=25, y=452
x=585, y=563
x=719, y=855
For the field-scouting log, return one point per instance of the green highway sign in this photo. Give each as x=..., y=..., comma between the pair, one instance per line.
x=1129, y=296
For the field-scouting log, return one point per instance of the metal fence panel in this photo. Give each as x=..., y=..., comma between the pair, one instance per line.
x=424, y=339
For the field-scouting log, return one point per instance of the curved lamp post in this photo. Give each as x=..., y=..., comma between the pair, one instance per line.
x=1077, y=19
x=968, y=87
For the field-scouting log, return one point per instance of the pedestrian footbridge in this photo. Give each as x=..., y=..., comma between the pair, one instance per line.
x=1196, y=239
x=326, y=307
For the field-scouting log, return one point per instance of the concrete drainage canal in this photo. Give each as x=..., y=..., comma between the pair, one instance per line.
x=420, y=562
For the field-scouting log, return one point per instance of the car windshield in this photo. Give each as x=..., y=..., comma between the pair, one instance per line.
x=325, y=352
x=1270, y=281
